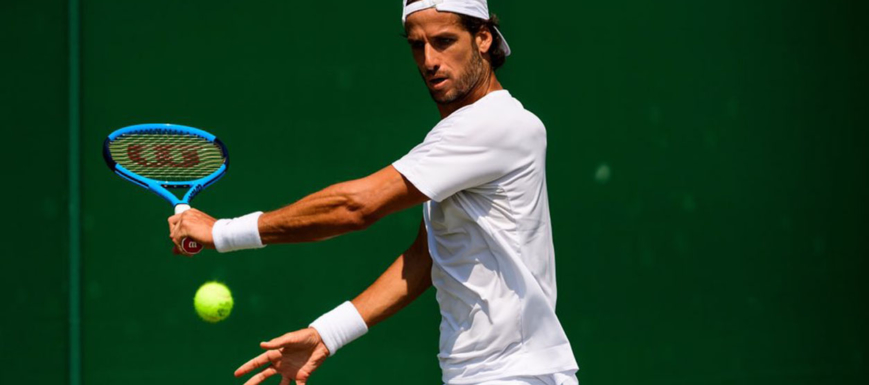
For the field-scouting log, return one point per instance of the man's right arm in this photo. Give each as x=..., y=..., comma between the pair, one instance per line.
x=340, y=208
x=335, y=210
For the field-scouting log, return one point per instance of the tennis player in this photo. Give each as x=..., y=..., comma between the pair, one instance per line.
x=485, y=241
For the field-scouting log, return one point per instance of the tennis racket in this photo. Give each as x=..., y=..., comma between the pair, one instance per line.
x=160, y=157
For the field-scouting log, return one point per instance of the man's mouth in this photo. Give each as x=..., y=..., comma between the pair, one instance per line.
x=437, y=82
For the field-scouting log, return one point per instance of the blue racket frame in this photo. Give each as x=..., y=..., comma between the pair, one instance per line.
x=161, y=187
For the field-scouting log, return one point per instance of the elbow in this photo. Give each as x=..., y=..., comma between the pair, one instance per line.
x=361, y=214
x=366, y=218
x=363, y=204
x=357, y=221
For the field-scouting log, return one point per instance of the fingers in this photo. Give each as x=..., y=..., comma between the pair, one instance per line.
x=175, y=224
x=261, y=376
x=193, y=225
x=173, y=220
x=174, y=228
x=176, y=236
x=257, y=362
x=177, y=233
x=284, y=340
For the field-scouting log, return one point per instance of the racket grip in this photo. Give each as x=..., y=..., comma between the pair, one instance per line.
x=188, y=246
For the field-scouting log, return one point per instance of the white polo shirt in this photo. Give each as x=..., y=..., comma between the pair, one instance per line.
x=490, y=238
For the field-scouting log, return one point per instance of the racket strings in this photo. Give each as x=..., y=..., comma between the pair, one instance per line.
x=166, y=157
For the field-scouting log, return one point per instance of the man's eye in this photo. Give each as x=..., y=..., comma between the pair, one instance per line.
x=444, y=41
x=416, y=44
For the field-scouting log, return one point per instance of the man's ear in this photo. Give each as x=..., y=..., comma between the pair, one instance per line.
x=484, y=39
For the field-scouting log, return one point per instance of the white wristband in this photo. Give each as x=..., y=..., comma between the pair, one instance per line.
x=340, y=326
x=237, y=233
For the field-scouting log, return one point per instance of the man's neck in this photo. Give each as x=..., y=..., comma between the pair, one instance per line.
x=490, y=84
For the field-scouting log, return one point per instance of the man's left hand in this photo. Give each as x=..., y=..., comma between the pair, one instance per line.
x=295, y=356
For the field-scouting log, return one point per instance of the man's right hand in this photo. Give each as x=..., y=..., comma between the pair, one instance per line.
x=295, y=356
x=193, y=224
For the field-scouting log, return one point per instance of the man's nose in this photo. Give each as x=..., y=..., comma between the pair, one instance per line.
x=432, y=59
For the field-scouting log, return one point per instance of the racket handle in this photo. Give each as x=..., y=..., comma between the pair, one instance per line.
x=188, y=246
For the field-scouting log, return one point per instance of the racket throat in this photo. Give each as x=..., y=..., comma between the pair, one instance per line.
x=181, y=207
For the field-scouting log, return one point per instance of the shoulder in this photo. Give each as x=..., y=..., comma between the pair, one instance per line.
x=496, y=118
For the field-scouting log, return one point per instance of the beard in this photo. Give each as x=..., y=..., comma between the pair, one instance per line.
x=475, y=73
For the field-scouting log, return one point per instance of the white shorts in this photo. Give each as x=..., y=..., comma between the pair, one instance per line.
x=563, y=378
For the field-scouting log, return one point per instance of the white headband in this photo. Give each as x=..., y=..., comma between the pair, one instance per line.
x=473, y=8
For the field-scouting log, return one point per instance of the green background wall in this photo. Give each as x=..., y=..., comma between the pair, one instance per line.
x=33, y=278
x=707, y=176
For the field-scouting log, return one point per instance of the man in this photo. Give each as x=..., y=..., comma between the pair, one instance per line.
x=485, y=242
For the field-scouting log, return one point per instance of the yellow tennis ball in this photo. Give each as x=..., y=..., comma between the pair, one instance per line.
x=213, y=301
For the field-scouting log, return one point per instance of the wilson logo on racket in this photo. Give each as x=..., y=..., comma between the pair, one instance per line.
x=162, y=155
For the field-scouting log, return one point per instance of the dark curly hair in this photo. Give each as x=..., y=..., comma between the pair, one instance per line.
x=473, y=25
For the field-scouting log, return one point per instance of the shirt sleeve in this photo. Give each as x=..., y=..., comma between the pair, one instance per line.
x=455, y=156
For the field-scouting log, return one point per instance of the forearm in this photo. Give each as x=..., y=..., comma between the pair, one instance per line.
x=327, y=213
x=339, y=209
x=407, y=278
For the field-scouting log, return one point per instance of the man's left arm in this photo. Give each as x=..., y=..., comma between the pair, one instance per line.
x=407, y=278
x=297, y=355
